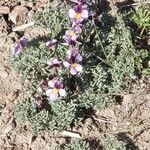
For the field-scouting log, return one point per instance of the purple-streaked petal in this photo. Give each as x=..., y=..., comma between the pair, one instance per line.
x=53, y=96
x=51, y=83
x=66, y=64
x=72, y=13
x=78, y=8
x=78, y=58
x=78, y=67
x=84, y=14
x=58, y=85
x=77, y=29
x=16, y=48
x=23, y=41
x=62, y=92
x=73, y=71
x=73, y=52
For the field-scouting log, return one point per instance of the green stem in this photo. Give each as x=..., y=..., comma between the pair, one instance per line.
x=102, y=47
x=100, y=41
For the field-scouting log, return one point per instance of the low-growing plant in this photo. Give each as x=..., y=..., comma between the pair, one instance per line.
x=62, y=84
x=75, y=144
x=112, y=143
x=142, y=18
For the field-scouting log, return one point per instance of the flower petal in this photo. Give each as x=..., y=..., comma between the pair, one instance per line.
x=62, y=92
x=23, y=41
x=79, y=67
x=78, y=58
x=53, y=96
x=16, y=48
x=72, y=13
x=66, y=64
x=67, y=32
x=51, y=84
x=73, y=71
x=84, y=14
x=49, y=62
x=49, y=92
x=74, y=38
x=58, y=85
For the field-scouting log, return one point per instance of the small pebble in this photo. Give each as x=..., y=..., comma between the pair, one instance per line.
x=4, y=10
x=3, y=74
x=30, y=4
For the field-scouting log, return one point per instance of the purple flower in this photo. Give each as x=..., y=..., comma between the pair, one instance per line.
x=54, y=62
x=78, y=14
x=56, y=89
x=17, y=47
x=73, y=60
x=23, y=41
x=51, y=43
x=71, y=35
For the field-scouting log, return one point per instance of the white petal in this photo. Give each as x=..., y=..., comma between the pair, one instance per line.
x=73, y=71
x=51, y=83
x=72, y=13
x=62, y=92
x=54, y=97
x=78, y=58
x=79, y=67
x=66, y=64
x=84, y=14
x=49, y=92
x=54, y=41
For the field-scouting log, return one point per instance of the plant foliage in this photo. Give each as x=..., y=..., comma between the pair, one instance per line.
x=108, y=57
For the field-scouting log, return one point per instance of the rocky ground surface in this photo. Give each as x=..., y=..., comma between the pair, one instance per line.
x=128, y=121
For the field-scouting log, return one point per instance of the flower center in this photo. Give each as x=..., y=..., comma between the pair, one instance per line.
x=55, y=90
x=77, y=16
x=74, y=65
x=72, y=33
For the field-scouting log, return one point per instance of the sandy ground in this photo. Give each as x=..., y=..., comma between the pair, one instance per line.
x=129, y=122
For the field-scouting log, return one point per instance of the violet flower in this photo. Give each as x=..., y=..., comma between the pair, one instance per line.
x=51, y=43
x=71, y=35
x=73, y=60
x=56, y=89
x=53, y=62
x=17, y=47
x=78, y=14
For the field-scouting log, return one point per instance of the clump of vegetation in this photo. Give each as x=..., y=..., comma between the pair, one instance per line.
x=74, y=144
x=81, y=64
x=142, y=18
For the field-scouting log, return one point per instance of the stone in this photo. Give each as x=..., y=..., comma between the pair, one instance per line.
x=4, y=10
x=19, y=15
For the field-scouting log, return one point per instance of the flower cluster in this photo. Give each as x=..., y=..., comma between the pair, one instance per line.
x=77, y=15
